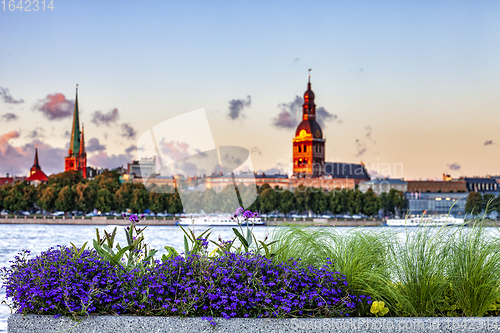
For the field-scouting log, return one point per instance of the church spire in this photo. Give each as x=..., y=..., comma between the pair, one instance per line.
x=82, y=144
x=36, y=165
x=309, y=108
x=74, y=145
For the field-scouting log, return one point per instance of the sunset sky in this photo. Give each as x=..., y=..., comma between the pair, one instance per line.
x=411, y=88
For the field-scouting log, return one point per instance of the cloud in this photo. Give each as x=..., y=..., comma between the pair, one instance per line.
x=322, y=116
x=55, y=107
x=131, y=149
x=100, y=118
x=37, y=133
x=17, y=160
x=489, y=142
x=174, y=149
x=361, y=147
x=236, y=106
x=94, y=145
x=454, y=166
x=255, y=150
x=291, y=113
x=369, y=134
x=128, y=132
x=66, y=134
x=9, y=117
x=288, y=117
x=103, y=160
x=7, y=98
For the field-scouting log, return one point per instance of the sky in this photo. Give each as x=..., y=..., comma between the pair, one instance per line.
x=410, y=88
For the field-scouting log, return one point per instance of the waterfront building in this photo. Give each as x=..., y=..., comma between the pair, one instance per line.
x=482, y=185
x=430, y=203
x=144, y=168
x=379, y=186
x=36, y=175
x=430, y=186
x=77, y=157
x=309, y=166
x=308, y=144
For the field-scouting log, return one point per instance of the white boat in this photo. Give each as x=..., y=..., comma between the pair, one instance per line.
x=222, y=220
x=434, y=221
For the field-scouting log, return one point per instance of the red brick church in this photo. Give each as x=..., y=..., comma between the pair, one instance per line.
x=309, y=166
x=77, y=157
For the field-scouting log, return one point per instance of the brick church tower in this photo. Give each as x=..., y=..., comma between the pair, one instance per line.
x=308, y=144
x=77, y=157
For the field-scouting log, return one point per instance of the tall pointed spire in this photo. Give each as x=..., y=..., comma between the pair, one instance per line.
x=36, y=165
x=82, y=144
x=74, y=145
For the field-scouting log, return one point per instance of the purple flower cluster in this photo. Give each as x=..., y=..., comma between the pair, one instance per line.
x=58, y=282
x=247, y=214
x=230, y=285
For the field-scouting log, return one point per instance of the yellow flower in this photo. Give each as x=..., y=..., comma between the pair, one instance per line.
x=378, y=308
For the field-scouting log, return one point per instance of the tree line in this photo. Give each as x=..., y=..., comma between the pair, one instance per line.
x=68, y=191
x=477, y=203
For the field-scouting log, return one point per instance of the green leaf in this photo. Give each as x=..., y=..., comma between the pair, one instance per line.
x=242, y=239
x=171, y=251
x=265, y=249
x=186, y=246
x=249, y=237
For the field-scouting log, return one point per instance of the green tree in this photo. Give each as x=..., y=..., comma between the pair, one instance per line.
x=85, y=197
x=140, y=200
x=370, y=204
x=47, y=198
x=104, y=201
x=488, y=203
x=66, y=178
x=286, y=203
x=157, y=202
x=268, y=200
x=474, y=203
x=66, y=199
x=300, y=199
x=319, y=202
x=123, y=196
x=174, y=203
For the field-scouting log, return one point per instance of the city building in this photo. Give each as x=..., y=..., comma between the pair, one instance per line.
x=379, y=186
x=36, y=176
x=309, y=166
x=436, y=203
x=425, y=186
x=308, y=144
x=144, y=168
x=483, y=185
x=77, y=157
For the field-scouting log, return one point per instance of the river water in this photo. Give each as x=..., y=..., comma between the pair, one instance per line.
x=38, y=238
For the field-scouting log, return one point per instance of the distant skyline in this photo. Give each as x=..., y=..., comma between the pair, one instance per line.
x=409, y=88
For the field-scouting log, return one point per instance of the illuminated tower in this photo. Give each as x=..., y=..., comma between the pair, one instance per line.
x=308, y=144
x=77, y=158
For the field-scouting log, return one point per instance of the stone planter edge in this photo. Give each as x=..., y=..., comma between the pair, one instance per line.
x=135, y=324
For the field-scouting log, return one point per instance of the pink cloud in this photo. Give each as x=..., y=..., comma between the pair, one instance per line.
x=17, y=160
x=56, y=107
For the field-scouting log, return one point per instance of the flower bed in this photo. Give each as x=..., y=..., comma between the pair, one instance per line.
x=232, y=282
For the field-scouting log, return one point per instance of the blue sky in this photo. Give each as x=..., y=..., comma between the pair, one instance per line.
x=405, y=83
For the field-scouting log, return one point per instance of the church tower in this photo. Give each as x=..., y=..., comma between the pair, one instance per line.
x=308, y=144
x=77, y=158
x=36, y=165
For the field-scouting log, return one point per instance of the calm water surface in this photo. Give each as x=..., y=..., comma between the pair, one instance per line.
x=38, y=238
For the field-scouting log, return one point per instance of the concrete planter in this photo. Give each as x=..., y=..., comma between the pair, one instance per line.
x=130, y=324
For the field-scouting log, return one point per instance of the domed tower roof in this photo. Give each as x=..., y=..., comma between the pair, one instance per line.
x=309, y=127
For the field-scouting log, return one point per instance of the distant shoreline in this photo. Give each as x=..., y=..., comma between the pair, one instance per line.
x=50, y=220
